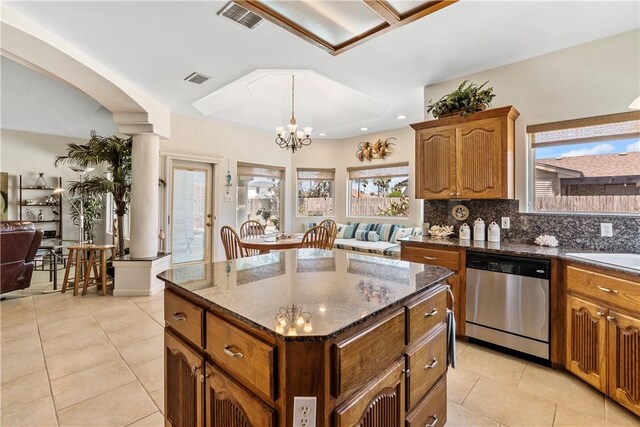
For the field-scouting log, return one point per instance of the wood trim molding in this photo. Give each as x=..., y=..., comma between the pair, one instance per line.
x=377, y=166
x=391, y=17
x=627, y=116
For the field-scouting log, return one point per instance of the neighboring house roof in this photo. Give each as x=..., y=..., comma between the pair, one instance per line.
x=620, y=164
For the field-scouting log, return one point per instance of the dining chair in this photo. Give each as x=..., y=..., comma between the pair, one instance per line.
x=232, y=245
x=317, y=237
x=331, y=225
x=251, y=228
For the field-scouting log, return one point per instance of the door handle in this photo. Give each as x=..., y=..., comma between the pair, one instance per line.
x=208, y=224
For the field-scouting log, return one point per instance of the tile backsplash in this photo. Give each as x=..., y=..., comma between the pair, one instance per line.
x=573, y=231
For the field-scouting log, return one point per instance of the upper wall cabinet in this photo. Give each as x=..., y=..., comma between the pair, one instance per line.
x=466, y=157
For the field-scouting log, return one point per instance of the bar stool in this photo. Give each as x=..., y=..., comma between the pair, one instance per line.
x=78, y=259
x=98, y=264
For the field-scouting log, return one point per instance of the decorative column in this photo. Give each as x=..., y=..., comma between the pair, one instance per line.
x=144, y=196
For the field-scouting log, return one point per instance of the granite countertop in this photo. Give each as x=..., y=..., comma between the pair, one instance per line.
x=519, y=249
x=338, y=289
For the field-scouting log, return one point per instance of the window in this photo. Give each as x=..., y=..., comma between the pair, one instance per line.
x=259, y=195
x=379, y=190
x=315, y=191
x=586, y=165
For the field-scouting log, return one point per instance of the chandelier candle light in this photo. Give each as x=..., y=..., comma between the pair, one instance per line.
x=295, y=139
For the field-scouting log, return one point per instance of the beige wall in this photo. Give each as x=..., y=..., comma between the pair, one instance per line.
x=27, y=154
x=340, y=155
x=596, y=78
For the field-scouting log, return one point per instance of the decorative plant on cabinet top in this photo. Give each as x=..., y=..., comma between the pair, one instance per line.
x=467, y=99
x=115, y=153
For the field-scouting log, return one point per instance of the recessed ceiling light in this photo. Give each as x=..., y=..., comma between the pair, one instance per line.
x=364, y=129
x=401, y=117
x=322, y=134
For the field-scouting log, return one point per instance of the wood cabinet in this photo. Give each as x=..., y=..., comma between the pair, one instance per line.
x=469, y=157
x=453, y=259
x=380, y=404
x=603, y=332
x=183, y=384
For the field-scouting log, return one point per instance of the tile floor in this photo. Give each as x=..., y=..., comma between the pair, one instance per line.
x=98, y=361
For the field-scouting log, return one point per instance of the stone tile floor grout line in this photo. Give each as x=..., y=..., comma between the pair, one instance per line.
x=46, y=368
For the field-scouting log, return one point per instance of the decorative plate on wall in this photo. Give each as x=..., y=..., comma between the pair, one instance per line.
x=460, y=212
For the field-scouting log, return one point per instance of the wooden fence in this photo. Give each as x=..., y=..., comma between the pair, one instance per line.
x=625, y=203
x=363, y=206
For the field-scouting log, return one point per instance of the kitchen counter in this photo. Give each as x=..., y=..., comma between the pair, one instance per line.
x=245, y=339
x=338, y=288
x=517, y=249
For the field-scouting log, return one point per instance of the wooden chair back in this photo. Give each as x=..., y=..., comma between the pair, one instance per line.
x=251, y=228
x=232, y=246
x=331, y=225
x=317, y=237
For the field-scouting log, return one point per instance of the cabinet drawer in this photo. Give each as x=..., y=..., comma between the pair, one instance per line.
x=359, y=358
x=623, y=293
x=184, y=317
x=427, y=362
x=443, y=258
x=432, y=411
x=241, y=354
x=424, y=314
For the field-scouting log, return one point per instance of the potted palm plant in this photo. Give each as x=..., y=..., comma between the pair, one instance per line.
x=113, y=152
x=468, y=98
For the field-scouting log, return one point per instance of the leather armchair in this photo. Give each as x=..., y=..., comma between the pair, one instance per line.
x=19, y=242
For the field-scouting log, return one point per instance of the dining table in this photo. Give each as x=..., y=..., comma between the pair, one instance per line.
x=266, y=244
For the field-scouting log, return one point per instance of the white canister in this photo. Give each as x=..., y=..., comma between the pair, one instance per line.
x=478, y=230
x=465, y=232
x=493, y=234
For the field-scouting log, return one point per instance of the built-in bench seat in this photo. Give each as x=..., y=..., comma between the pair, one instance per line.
x=381, y=248
x=380, y=239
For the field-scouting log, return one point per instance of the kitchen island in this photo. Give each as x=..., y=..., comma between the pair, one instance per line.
x=306, y=337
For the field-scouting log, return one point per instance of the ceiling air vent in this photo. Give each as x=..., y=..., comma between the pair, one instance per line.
x=240, y=15
x=197, y=78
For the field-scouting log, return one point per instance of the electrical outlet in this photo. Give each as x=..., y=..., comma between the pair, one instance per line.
x=506, y=222
x=606, y=229
x=304, y=411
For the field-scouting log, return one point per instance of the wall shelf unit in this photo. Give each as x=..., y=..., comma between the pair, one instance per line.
x=39, y=194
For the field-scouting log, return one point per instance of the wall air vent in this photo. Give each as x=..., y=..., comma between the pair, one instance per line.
x=197, y=78
x=240, y=15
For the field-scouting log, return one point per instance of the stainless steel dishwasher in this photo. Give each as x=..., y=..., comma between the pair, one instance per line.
x=508, y=302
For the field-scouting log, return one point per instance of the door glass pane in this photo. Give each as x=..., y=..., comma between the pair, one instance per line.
x=189, y=215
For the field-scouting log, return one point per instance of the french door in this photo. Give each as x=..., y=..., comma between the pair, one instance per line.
x=191, y=217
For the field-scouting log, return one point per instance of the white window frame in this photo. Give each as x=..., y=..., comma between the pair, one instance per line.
x=569, y=124
x=283, y=173
x=333, y=189
x=373, y=167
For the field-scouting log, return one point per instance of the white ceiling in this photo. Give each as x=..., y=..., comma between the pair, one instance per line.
x=156, y=44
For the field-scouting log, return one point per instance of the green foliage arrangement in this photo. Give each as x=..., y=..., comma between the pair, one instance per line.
x=398, y=207
x=467, y=99
x=115, y=154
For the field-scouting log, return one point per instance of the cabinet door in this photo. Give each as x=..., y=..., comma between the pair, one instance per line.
x=183, y=384
x=586, y=328
x=230, y=405
x=381, y=403
x=479, y=160
x=624, y=360
x=435, y=164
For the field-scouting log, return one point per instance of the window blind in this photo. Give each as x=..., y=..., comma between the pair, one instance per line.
x=246, y=170
x=316, y=174
x=386, y=171
x=591, y=129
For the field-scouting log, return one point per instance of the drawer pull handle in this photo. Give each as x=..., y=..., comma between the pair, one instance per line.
x=434, y=423
x=611, y=291
x=431, y=313
x=180, y=317
x=430, y=258
x=611, y=318
x=432, y=365
x=228, y=352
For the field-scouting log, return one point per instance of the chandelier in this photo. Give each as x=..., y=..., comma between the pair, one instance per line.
x=289, y=319
x=293, y=138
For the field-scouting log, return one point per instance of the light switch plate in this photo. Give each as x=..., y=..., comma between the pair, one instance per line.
x=304, y=411
x=227, y=198
x=506, y=222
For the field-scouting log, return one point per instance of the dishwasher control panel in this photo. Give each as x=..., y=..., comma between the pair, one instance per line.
x=519, y=266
